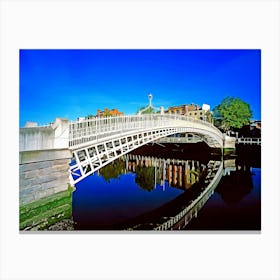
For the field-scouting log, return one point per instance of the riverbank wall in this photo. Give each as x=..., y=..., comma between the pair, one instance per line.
x=44, y=212
x=45, y=193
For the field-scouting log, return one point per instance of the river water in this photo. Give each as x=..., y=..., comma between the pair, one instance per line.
x=145, y=188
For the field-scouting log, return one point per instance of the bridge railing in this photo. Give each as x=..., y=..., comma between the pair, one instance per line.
x=178, y=140
x=249, y=141
x=96, y=128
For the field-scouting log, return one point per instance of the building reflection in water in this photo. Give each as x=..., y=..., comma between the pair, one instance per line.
x=152, y=171
x=177, y=173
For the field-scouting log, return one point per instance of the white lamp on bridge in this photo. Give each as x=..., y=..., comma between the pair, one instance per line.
x=150, y=96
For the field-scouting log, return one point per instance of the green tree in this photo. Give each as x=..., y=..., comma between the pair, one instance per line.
x=232, y=113
x=209, y=116
x=90, y=116
x=148, y=110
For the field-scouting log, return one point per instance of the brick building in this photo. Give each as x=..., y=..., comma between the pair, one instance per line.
x=192, y=110
x=182, y=109
x=108, y=113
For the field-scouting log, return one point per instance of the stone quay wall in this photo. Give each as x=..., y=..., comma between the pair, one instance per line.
x=45, y=194
x=43, y=173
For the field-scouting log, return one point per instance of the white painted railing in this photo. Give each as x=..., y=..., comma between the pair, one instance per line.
x=250, y=141
x=99, y=141
x=179, y=140
x=95, y=129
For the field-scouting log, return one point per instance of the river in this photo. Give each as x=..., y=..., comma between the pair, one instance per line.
x=147, y=187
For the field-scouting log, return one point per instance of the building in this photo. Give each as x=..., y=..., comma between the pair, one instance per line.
x=109, y=113
x=192, y=110
x=182, y=109
x=256, y=124
x=255, y=128
x=251, y=130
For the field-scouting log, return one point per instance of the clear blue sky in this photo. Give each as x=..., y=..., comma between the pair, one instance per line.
x=75, y=83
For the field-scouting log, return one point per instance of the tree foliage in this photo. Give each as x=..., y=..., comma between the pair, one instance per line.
x=148, y=110
x=232, y=113
x=90, y=116
x=209, y=116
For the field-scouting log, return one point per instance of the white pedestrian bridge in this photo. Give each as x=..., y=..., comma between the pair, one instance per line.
x=45, y=151
x=98, y=141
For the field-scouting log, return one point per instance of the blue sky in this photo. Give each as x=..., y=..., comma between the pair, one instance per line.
x=75, y=83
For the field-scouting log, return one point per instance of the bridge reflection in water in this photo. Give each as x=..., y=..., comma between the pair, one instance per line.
x=161, y=207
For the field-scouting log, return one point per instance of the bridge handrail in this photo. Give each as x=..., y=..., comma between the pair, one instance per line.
x=249, y=140
x=93, y=126
x=146, y=116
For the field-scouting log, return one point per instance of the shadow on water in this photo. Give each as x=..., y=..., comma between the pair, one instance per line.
x=199, y=151
x=249, y=155
x=234, y=187
x=236, y=203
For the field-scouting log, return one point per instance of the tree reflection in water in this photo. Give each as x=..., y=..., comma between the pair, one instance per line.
x=145, y=177
x=233, y=188
x=113, y=170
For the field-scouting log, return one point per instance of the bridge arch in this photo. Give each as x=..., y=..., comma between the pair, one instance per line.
x=99, y=141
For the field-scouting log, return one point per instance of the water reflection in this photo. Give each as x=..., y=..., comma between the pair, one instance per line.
x=150, y=186
x=236, y=183
x=236, y=202
x=149, y=171
x=113, y=170
x=138, y=192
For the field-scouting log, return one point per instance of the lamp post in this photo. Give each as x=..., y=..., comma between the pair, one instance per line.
x=150, y=96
